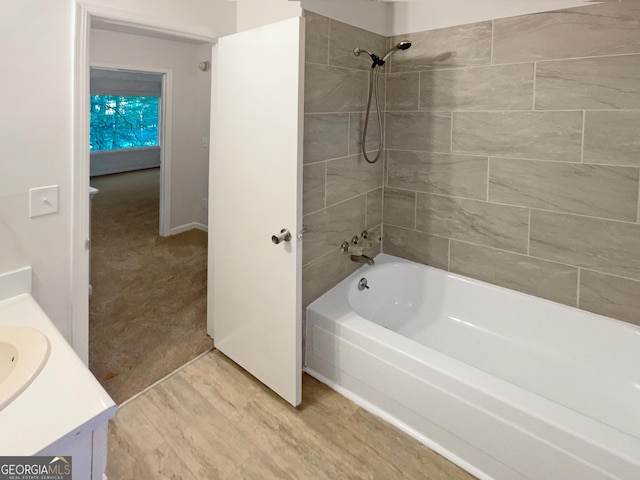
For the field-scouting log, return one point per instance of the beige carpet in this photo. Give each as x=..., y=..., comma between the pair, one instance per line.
x=148, y=309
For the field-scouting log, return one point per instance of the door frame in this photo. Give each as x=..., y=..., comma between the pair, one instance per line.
x=164, y=135
x=80, y=166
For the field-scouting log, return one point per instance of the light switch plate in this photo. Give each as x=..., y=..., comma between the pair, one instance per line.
x=43, y=201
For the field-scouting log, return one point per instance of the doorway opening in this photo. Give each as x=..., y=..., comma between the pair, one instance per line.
x=148, y=225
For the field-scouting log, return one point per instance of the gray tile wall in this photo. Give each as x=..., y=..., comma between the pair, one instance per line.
x=513, y=154
x=342, y=193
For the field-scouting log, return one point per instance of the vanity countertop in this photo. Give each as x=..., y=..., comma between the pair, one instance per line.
x=63, y=398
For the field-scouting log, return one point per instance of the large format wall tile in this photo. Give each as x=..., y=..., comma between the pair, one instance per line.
x=538, y=135
x=457, y=46
x=321, y=275
x=325, y=136
x=447, y=174
x=489, y=224
x=403, y=91
x=400, y=208
x=351, y=176
x=589, y=83
x=541, y=278
x=316, y=38
x=603, y=245
x=344, y=38
x=334, y=89
x=612, y=137
x=611, y=296
x=313, y=187
x=373, y=133
x=505, y=87
x=599, y=191
x=416, y=246
x=374, y=208
x=604, y=29
x=418, y=131
x=327, y=229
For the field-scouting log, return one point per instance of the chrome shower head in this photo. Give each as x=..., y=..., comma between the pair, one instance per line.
x=403, y=45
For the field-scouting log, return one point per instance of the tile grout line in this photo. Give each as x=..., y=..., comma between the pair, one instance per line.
x=587, y=57
x=504, y=64
x=638, y=212
x=479, y=155
x=471, y=199
x=419, y=91
x=488, y=175
x=329, y=43
x=326, y=174
x=415, y=210
x=366, y=209
x=588, y=269
x=436, y=111
x=341, y=202
x=451, y=136
x=385, y=166
x=349, y=134
x=493, y=27
x=317, y=259
x=555, y=262
x=485, y=155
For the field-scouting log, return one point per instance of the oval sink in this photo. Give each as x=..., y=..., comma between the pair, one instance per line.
x=23, y=354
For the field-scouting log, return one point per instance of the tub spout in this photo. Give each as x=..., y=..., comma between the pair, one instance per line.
x=362, y=259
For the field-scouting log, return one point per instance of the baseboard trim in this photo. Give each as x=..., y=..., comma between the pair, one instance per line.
x=189, y=226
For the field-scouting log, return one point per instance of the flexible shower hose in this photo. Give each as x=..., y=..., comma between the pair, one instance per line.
x=373, y=90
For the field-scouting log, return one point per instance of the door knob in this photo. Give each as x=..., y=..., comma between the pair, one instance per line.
x=283, y=236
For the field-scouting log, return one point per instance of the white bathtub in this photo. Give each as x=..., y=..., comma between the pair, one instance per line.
x=506, y=385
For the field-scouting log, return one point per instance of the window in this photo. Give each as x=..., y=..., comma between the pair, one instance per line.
x=123, y=122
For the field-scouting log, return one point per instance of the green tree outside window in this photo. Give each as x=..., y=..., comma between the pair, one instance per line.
x=123, y=122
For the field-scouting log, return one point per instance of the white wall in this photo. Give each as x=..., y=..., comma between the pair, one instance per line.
x=255, y=13
x=36, y=128
x=416, y=16
x=191, y=93
x=105, y=162
x=397, y=17
x=372, y=16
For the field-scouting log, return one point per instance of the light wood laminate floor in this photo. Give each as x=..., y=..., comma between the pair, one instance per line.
x=213, y=421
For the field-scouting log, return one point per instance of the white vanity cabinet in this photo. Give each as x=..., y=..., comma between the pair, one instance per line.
x=87, y=446
x=64, y=411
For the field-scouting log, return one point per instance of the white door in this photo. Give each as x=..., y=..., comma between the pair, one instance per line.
x=255, y=189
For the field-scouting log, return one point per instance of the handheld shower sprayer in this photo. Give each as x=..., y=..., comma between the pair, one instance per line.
x=373, y=88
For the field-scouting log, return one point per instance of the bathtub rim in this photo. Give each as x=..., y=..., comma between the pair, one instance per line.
x=386, y=259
